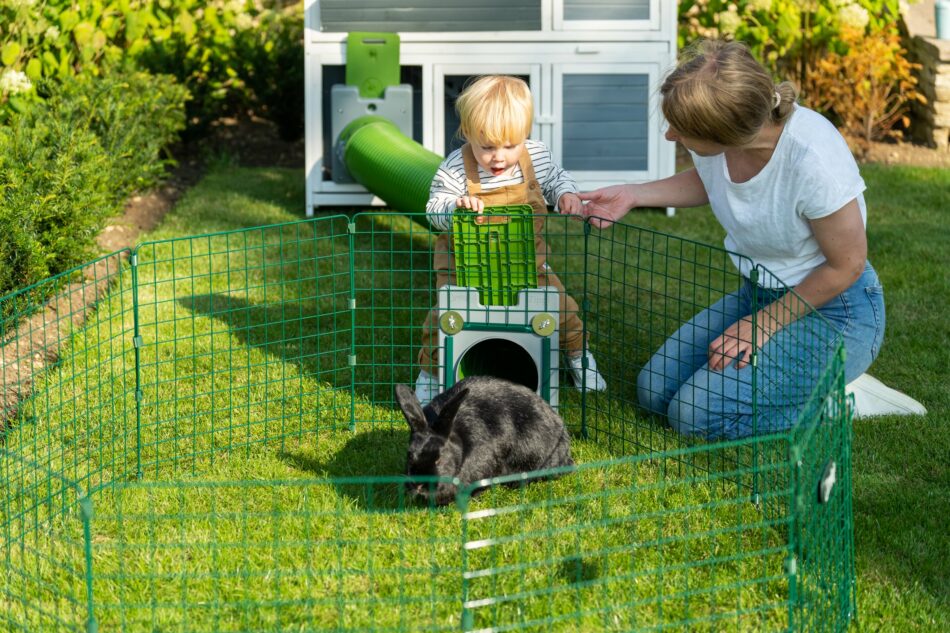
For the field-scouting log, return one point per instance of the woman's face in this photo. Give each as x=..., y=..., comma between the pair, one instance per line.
x=497, y=159
x=697, y=145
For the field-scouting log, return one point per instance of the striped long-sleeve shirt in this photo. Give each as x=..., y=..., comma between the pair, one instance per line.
x=449, y=182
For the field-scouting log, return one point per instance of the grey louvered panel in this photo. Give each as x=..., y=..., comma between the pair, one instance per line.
x=430, y=15
x=606, y=9
x=617, y=81
x=605, y=122
x=605, y=129
x=605, y=112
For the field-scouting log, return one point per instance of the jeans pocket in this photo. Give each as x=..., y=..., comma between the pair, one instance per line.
x=875, y=296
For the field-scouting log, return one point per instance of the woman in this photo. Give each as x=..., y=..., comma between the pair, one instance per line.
x=783, y=183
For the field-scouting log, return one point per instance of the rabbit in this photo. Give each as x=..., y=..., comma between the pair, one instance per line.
x=481, y=427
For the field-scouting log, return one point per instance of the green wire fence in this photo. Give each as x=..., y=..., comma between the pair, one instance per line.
x=200, y=434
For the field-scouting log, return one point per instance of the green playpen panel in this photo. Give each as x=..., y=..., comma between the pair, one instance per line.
x=200, y=434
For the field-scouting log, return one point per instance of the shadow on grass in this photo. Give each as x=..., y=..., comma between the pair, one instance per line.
x=308, y=340
x=365, y=467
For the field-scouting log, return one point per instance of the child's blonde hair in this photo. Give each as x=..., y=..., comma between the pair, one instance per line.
x=720, y=93
x=494, y=110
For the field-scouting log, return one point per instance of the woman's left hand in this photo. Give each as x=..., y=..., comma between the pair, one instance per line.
x=736, y=343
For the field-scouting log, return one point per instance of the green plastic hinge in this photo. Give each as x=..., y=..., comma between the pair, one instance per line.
x=134, y=260
x=85, y=507
x=351, y=360
x=351, y=227
x=795, y=453
x=139, y=395
x=791, y=565
x=585, y=304
x=352, y=304
x=137, y=342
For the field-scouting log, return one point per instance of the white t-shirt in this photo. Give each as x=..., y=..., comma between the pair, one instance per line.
x=810, y=175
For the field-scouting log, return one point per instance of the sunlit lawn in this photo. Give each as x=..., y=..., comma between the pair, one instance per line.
x=322, y=531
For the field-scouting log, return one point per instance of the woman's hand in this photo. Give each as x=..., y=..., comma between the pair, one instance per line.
x=736, y=343
x=608, y=204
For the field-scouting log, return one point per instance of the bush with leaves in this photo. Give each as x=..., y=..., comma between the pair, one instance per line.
x=215, y=48
x=69, y=162
x=810, y=42
x=55, y=184
x=868, y=87
x=275, y=73
x=135, y=115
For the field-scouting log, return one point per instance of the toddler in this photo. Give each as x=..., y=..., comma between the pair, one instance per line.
x=499, y=165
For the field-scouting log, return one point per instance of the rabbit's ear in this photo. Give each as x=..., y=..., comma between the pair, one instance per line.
x=411, y=408
x=443, y=426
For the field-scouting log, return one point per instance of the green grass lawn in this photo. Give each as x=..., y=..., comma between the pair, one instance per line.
x=316, y=533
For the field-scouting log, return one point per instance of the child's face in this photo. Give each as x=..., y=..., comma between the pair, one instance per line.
x=497, y=159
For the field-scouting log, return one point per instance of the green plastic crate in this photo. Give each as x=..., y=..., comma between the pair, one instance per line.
x=498, y=256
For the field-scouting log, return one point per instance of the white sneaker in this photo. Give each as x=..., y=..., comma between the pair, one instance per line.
x=591, y=379
x=872, y=397
x=427, y=387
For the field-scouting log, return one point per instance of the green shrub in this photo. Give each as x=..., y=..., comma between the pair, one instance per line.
x=868, y=87
x=215, y=48
x=69, y=162
x=136, y=117
x=219, y=48
x=810, y=42
x=275, y=69
x=55, y=183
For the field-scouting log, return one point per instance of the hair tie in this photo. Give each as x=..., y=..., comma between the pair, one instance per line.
x=778, y=100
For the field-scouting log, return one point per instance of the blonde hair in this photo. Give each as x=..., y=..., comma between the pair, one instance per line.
x=494, y=110
x=720, y=93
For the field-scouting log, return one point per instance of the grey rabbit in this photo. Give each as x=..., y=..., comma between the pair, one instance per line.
x=480, y=427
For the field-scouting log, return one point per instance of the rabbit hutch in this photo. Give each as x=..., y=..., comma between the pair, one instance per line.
x=593, y=67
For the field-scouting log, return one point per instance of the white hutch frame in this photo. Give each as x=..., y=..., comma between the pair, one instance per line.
x=646, y=47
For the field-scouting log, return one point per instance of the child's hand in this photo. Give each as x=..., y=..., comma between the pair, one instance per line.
x=570, y=204
x=473, y=203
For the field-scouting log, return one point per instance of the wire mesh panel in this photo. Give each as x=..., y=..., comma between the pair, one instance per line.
x=393, y=290
x=246, y=378
x=67, y=372
x=45, y=567
x=308, y=555
x=628, y=544
x=399, y=266
x=823, y=535
x=643, y=286
x=244, y=339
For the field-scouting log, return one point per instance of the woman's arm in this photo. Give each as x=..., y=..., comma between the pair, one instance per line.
x=607, y=205
x=843, y=241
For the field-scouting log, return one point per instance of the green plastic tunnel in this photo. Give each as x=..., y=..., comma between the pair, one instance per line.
x=388, y=163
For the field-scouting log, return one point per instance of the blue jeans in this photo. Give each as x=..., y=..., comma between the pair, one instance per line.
x=718, y=404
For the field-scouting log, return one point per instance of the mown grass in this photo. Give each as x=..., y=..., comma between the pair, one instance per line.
x=178, y=552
